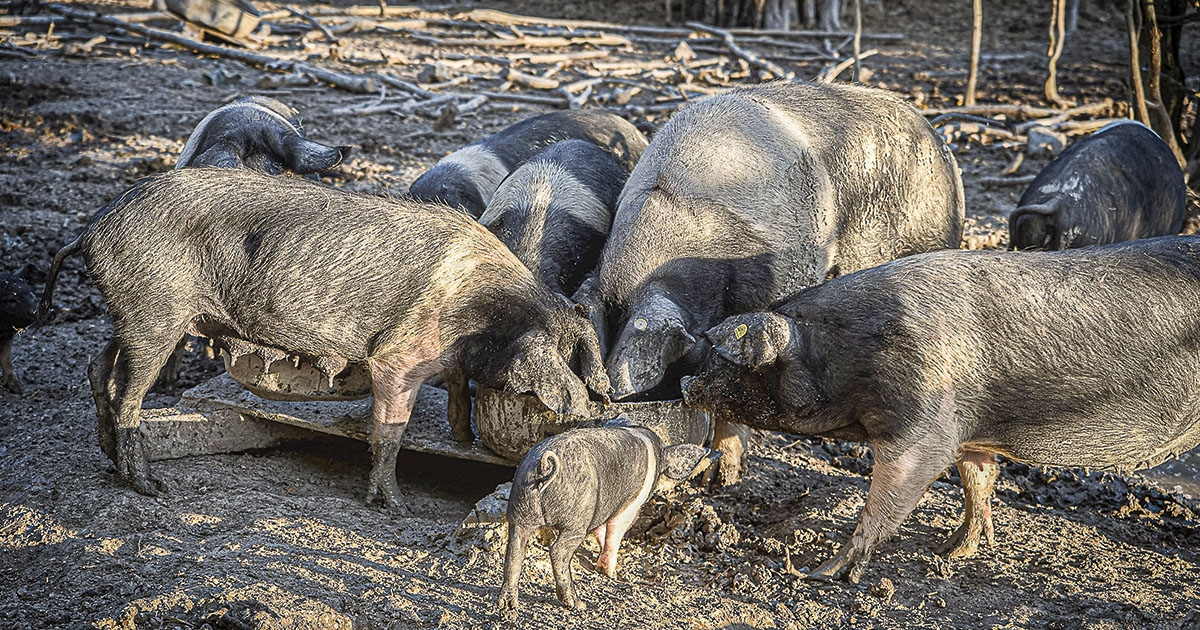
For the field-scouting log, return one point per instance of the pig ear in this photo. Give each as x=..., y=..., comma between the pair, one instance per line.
x=218, y=156
x=1034, y=225
x=536, y=367
x=314, y=157
x=588, y=299
x=683, y=461
x=682, y=337
x=752, y=340
x=591, y=361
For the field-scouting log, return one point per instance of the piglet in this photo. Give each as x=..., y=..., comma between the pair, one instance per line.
x=589, y=480
x=18, y=309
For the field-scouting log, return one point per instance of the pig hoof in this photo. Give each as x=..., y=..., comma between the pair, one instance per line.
x=389, y=494
x=12, y=383
x=961, y=544
x=463, y=436
x=507, y=601
x=132, y=464
x=574, y=603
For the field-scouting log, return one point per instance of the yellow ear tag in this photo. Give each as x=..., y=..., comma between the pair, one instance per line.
x=740, y=331
x=640, y=324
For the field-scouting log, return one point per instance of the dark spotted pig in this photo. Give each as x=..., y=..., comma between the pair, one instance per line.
x=554, y=212
x=588, y=480
x=1086, y=357
x=18, y=310
x=1119, y=184
x=259, y=133
x=468, y=178
x=288, y=269
x=749, y=196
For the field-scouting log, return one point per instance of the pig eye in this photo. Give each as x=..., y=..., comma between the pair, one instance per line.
x=640, y=324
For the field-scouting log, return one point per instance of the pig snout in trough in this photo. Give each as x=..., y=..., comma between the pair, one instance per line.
x=554, y=211
x=1119, y=184
x=1082, y=358
x=259, y=133
x=467, y=178
x=288, y=269
x=744, y=198
x=18, y=310
x=589, y=480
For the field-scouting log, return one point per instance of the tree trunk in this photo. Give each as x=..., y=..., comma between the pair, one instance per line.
x=976, y=41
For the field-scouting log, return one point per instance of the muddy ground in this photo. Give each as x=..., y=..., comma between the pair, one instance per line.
x=282, y=538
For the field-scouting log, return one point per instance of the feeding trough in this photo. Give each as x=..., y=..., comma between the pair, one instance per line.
x=511, y=424
x=251, y=407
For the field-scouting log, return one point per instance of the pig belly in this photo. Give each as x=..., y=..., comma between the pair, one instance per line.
x=1098, y=442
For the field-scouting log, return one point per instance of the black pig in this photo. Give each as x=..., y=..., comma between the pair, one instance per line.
x=468, y=178
x=554, y=212
x=589, y=480
x=1086, y=357
x=18, y=310
x=259, y=133
x=288, y=269
x=749, y=196
x=1121, y=183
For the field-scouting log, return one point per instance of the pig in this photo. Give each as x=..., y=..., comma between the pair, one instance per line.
x=589, y=480
x=259, y=133
x=555, y=210
x=18, y=310
x=287, y=269
x=1083, y=358
x=1121, y=183
x=468, y=177
x=746, y=197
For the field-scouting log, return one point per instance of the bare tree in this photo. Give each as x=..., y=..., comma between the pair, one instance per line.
x=976, y=42
x=1057, y=34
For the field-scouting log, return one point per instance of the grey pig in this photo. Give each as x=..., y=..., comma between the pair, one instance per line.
x=746, y=197
x=468, y=177
x=288, y=269
x=18, y=310
x=554, y=212
x=1119, y=184
x=1085, y=358
x=589, y=480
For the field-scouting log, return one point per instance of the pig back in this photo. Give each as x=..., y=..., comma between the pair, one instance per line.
x=1121, y=183
x=1077, y=358
x=791, y=182
x=309, y=268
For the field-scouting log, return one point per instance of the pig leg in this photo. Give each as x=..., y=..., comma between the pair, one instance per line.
x=614, y=533
x=978, y=471
x=99, y=374
x=134, y=373
x=561, y=552
x=458, y=405
x=395, y=381
x=897, y=483
x=731, y=439
x=514, y=558
x=600, y=534
x=168, y=376
x=11, y=382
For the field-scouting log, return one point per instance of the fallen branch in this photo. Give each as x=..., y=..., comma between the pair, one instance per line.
x=995, y=182
x=530, y=80
x=528, y=42
x=747, y=56
x=315, y=24
x=363, y=84
x=1013, y=111
x=830, y=74
x=1086, y=109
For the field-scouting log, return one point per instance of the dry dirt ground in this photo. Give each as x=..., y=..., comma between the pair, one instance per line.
x=282, y=538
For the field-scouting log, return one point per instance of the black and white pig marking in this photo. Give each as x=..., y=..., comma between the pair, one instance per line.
x=1119, y=184
x=589, y=480
x=1084, y=357
x=468, y=177
x=291, y=270
x=554, y=212
x=259, y=133
x=749, y=196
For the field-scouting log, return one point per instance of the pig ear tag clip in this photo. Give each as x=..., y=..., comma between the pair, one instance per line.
x=640, y=324
x=740, y=331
